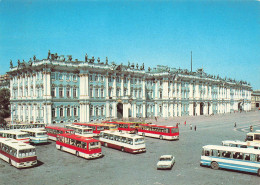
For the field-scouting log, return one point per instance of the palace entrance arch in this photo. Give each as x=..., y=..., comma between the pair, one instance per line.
x=119, y=110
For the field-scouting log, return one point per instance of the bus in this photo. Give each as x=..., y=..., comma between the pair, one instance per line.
x=36, y=135
x=15, y=134
x=85, y=147
x=53, y=131
x=17, y=153
x=159, y=131
x=240, y=159
x=80, y=130
x=122, y=141
x=253, y=137
x=24, y=126
x=97, y=127
x=130, y=127
x=241, y=144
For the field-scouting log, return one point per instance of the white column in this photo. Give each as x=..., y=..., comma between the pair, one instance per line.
x=197, y=109
x=114, y=87
x=175, y=110
x=171, y=110
x=107, y=87
x=48, y=85
x=49, y=114
x=122, y=86
x=107, y=110
x=143, y=89
x=125, y=110
x=114, y=112
x=175, y=87
x=156, y=89
x=86, y=86
x=23, y=80
x=29, y=112
x=87, y=112
x=144, y=110
x=155, y=109
x=34, y=84
x=29, y=86
x=180, y=108
x=190, y=109
x=197, y=91
x=165, y=89
x=24, y=113
x=191, y=91
x=180, y=91
x=129, y=87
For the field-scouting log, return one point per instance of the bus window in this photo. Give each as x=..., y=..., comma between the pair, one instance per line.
x=94, y=145
x=214, y=153
x=258, y=158
x=243, y=146
x=139, y=141
x=226, y=154
x=84, y=145
x=249, y=138
x=247, y=157
x=206, y=153
x=237, y=155
x=252, y=157
x=257, y=136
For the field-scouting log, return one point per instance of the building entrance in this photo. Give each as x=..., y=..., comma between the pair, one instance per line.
x=119, y=110
x=201, y=108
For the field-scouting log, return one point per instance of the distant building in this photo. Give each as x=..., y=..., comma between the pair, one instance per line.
x=255, y=99
x=62, y=90
x=4, y=81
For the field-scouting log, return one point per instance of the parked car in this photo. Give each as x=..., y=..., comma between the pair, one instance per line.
x=166, y=162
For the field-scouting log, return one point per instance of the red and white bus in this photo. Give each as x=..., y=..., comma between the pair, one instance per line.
x=80, y=130
x=97, y=127
x=53, y=131
x=122, y=141
x=24, y=126
x=159, y=131
x=17, y=153
x=15, y=134
x=124, y=126
x=85, y=147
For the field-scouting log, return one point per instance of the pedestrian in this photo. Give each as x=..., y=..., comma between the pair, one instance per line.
x=155, y=118
x=191, y=126
x=185, y=123
x=235, y=125
x=195, y=127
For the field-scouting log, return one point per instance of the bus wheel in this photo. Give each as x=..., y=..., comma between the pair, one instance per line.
x=122, y=149
x=258, y=172
x=77, y=154
x=105, y=144
x=161, y=137
x=214, y=165
x=10, y=162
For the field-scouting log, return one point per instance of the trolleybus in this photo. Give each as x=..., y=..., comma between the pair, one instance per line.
x=15, y=134
x=36, y=135
x=53, y=131
x=17, y=153
x=241, y=159
x=159, y=131
x=122, y=141
x=85, y=147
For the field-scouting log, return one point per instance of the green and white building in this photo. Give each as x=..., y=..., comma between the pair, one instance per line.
x=59, y=90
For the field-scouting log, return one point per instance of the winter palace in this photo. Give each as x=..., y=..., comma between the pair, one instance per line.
x=59, y=89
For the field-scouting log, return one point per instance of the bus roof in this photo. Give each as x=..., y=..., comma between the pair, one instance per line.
x=232, y=149
x=242, y=143
x=161, y=126
x=124, y=134
x=13, y=131
x=94, y=124
x=58, y=128
x=79, y=127
x=78, y=138
x=16, y=144
x=33, y=130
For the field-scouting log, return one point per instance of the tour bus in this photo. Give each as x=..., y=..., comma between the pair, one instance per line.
x=17, y=153
x=97, y=127
x=124, y=126
x=241, y=144
x=80, y=130
x=122, y=141
x=253, y=137
x=36, y=135
x=15, y=134
x=159, y=131
x=85, y=147
x=53, y=131
x=24, y=126
x=241, y=159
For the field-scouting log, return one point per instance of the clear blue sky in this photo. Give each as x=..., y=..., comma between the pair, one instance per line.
x=224, y=37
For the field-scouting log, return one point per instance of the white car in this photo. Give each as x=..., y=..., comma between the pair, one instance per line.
x=166, y=162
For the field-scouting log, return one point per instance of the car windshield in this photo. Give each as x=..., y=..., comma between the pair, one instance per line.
x=165, y=159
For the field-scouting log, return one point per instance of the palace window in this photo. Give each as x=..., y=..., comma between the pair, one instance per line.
x=160, y=109
x=74, y=93
x=96, y=111
x=102, y=78
x=60, y=77
x=109, y=92
x=53, y=113
x=96, y=78
x=102, y=111
x=61, y=112
x=102, y=92
x=61, y=92
x=67, y=77
x=68, y=92
x=124, y=92
x=68, y=111
x=96, y=92
x=53, y=92
x=117, y=92
x=160, y=94
x=90, y=78
x=74, y=77
x=75, y=111
x=91, y=111
x=90, y=92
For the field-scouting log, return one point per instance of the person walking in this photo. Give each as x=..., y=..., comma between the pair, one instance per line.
x=155, y=118
x=191, y=126
x=195, y=128
x=185, y=123
x=235, y=125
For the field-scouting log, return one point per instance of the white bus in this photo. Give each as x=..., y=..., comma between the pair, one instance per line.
x=80, y=130
x=15, y=134
x=253, y=137
x=241, y=144
x=122, y=141
x=17, y=153
x=241, y=159
x=37, y=135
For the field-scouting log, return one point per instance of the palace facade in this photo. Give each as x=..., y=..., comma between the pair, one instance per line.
x=62, y=90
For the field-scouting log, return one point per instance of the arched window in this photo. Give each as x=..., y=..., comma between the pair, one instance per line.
x=53, y=113
x=96, y=111
x=68, y=111
x=61, y=112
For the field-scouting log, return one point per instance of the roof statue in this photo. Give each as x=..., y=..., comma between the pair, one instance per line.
x=149, y=69
x=56, y=56
x=133, y=65
x=98, y=60
x=128, y=64
x=69, y=58
x=18, y=63
x=106, y=61
x=86, y=57
x=11, y=64
x=49, y=54
x=34, y=58
x=136, y=66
